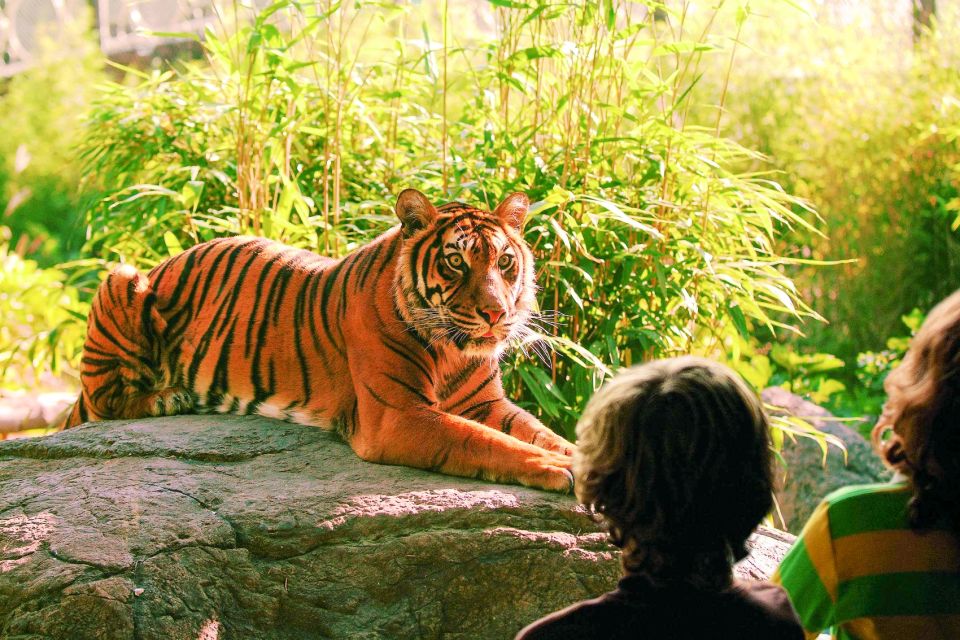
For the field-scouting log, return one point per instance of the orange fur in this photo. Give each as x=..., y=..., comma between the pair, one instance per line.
x=395, y=346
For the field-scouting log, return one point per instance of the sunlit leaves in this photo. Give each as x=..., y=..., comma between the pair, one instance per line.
x=41, y=331
x=652, y=238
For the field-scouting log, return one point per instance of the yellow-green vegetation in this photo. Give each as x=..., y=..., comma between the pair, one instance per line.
x=41, y=121
x=863, y=121
x=650, y=242
x=42, y=320
x=671, y=164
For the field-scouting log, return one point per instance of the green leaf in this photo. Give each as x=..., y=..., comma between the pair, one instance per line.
x=509, y=4
x=913, y=320
x=190, y=194
x=610, y=14
x=686, y=46
x=177, y=35
x=826, y=388
x=173, y=245
x=739, y=321
x=544, y=400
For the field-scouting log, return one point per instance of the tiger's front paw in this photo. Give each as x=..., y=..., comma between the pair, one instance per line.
x=550, y=471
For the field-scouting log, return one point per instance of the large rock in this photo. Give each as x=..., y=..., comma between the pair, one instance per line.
x=809, y=477
x=216, y=526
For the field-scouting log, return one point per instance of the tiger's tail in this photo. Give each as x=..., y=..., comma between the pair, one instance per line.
x=121, y=372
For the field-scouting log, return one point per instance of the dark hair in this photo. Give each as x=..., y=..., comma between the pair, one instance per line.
x=923, y=413
x=674, y=455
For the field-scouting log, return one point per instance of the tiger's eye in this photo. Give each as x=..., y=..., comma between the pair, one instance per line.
x=455, y=260
x=505, y=261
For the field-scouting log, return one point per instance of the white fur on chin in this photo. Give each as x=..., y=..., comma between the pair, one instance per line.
x=491, y=350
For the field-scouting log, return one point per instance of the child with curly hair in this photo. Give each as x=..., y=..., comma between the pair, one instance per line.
x=674, y=456
x=883, y=561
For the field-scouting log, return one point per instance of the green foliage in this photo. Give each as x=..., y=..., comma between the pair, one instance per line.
x=42, y=110
x=853, y=391
x=871, y=137
x=649, y=241
x=275, y=133
x=41, y=331
x=806, y=374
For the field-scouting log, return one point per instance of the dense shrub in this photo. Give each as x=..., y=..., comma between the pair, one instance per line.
x=864, y=122
x=41, y=112
x=650, y=242
x=41, y=320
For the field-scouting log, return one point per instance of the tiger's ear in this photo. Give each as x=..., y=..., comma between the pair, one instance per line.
x=513, y=210
x=414, y=210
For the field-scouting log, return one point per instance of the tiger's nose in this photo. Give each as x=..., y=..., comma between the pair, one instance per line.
x=491, y=315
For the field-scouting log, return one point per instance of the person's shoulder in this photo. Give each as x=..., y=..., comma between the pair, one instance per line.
x=774, y=615
x=868, y=492
x=866, y=508
x=583, y=620
x=768, y=597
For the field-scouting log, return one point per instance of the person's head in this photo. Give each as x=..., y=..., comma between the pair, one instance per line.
x=675, y=456
x=923, y=413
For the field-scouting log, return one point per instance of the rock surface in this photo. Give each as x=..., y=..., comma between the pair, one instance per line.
x=228, y=527
x=808, y=477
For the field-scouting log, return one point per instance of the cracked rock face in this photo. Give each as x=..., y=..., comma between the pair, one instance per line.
x=212, y=527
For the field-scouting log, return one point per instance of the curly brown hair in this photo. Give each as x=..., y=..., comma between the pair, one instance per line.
x=922, y=418
x=674, y=456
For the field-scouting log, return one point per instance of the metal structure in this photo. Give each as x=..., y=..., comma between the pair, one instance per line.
x=23, y=23
x=123, y=26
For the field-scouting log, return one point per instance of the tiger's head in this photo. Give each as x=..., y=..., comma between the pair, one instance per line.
x=465, y=276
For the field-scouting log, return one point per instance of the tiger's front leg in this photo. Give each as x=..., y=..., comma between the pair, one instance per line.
x=400, y=421
x=429, y=439
x=512, y=420
x=478, y=395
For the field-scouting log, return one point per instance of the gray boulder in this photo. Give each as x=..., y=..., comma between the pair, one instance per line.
x=809, y=478
x=230, y=527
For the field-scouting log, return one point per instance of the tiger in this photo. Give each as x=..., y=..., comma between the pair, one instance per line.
x=394, y=347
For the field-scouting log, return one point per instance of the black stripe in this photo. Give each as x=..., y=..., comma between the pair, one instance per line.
x=482, y=410
x=428, y=349
x=304, y=367
x=310, y=307
x=401, y=351
x=417, y=392
x=328, y=283
x=261, y=392
x=219, y=382
x=452, y=385
x=507, y=424
x=209, y=277
x=156, y=274
x=351, y=263
x=476, y=390
x=176, y=296
x=95, y=318
x=440, y=459
x=258, y=310
x=376, y=397
x=231, y=301
x=369, y=258
x=284, y=276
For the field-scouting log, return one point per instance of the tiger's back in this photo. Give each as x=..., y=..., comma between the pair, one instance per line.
x=235, y=325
